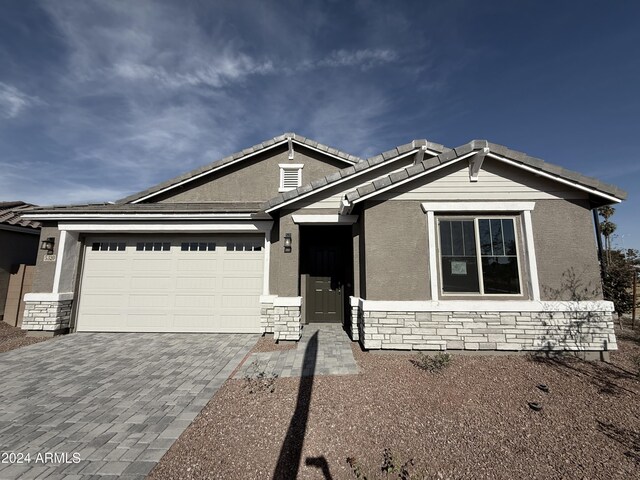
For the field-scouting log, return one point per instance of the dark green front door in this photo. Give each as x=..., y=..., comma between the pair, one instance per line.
x=326, y=264
x=325, y=284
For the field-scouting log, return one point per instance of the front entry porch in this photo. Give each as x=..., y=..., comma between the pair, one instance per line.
x=332, y=350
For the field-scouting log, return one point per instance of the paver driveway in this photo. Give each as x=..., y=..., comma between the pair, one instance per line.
x=117, y=400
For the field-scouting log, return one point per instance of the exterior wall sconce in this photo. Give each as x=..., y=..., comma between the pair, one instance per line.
x=48, y=245
x=287, y=243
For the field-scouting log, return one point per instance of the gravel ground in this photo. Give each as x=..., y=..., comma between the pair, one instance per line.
x=266, y=344
x=12, y=338
x=471, y=420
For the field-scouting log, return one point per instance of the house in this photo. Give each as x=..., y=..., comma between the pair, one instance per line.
x=18, y=245
x=422, y=247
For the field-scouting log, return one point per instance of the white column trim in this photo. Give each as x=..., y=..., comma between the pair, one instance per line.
x=267, y=262
x=48, y=297
x=433, y=257
x=59, y=259
x=531, y=255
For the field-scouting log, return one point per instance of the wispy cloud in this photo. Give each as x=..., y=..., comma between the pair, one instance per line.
x=365, y=58
x=13, y=101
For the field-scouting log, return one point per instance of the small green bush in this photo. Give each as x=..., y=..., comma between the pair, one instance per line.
x=433, y=364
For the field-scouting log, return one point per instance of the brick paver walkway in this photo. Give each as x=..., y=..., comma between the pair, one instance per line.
x=118, y=400
x=334, y=355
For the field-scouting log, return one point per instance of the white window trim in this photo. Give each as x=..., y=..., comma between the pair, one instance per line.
x=290, y=166
x=482, y=293
x=430, y=208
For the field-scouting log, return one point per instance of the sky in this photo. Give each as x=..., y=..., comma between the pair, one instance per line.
x=101, y=99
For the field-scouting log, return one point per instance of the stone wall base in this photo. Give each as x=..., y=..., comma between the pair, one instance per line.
x=42, y=314
x=281, y=316
x=578, y=331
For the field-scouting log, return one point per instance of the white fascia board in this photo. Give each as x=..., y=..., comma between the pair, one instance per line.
x=411, y=179
x=557, y=178
x=174, y=227
x=140, y=216
x=345, y=179
x=48, y=297
x=291, y=165
x=212, y=170
x=486, y=306
x=330, y=219
x=18, y=229
x=478, y=206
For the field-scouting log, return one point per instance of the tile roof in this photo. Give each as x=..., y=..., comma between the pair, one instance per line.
x=10, y=215
x=238, y=156
x=477, y=145
x=134, y=208
x=352, y=170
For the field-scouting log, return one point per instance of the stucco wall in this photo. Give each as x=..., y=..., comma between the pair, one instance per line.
x=43, y=275
x=396, y=255
x=564, y=239
x=284, y=267
x=15, y=248
x=253, y=180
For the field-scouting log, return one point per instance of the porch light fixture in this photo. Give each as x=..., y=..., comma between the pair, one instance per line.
x=287, y=243
x=48, y=245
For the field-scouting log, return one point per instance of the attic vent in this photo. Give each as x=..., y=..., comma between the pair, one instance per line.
x=290, y=176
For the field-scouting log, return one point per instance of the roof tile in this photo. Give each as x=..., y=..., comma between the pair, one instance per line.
x=399, y=176
x=390, y=154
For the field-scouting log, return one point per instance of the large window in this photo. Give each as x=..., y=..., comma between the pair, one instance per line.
x=479, y=255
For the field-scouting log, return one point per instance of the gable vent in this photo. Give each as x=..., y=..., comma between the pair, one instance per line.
x=290, y=176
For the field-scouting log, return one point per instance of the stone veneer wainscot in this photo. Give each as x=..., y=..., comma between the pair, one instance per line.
x=569, y=326
x=281, y=316
x=47, y=312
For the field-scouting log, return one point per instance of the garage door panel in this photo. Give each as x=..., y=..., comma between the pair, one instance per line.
x=196, y=283
x=157, y=286
x=151, y=283
x=197, y=265
x=237, y=283
x=195, y=301
x=142, y=300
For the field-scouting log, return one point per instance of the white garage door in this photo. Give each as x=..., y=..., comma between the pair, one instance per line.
x=171, y=284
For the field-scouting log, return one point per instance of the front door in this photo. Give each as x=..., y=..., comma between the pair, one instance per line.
x=325, y=287
x=326, y=264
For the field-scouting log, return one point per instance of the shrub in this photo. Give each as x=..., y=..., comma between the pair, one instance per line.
x=433, y=364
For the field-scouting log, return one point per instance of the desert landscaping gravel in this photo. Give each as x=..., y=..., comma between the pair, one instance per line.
x=12, y=338
x=471, y=420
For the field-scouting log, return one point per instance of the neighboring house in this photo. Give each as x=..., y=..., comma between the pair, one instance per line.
x=18, y=244
x=422, y=247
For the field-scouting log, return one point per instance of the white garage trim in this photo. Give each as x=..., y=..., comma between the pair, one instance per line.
x=172, y=283
x=173, y=227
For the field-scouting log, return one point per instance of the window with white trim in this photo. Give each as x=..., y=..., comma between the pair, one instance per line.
x=479, y=255
x=290, y=176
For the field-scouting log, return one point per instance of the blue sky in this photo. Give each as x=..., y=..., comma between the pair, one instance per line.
x=101, y=99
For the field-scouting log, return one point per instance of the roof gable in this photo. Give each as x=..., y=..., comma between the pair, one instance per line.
x=237, y=159
x=609, y=193
x=347, y=173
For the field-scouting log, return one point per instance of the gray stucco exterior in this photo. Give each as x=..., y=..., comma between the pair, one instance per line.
x=396, y=301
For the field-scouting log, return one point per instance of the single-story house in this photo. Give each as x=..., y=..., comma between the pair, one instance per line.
x=18, y=244
x=421, y=247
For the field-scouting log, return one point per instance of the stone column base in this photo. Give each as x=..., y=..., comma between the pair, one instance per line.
x=47, y=312
x=281, y=316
